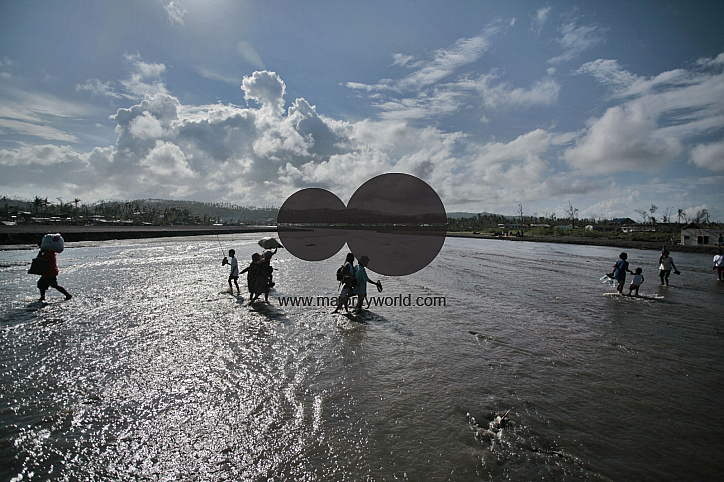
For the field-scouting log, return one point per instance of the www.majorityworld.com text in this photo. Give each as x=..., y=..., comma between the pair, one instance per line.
x=371, y=301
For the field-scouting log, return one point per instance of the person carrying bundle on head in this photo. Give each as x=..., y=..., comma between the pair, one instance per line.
x=49, y=279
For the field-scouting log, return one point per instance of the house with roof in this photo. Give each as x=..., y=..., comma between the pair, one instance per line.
x=695, y=235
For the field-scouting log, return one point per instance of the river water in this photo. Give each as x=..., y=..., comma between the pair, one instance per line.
x=152, y=371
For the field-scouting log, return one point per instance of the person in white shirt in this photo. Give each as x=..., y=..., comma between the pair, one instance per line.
x=636, y=282
x=719, y=264
x=666, y=264
x=234, y=274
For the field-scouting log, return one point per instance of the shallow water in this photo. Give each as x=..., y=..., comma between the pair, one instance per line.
x=153, y=371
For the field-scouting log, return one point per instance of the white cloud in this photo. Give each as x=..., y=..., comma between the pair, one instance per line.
x=609, y=72
x=442, y=64
x=440, y=87
x=146, y=126
x=265, y=88
x=257, y=155
x=175, y=11
x=709, y=156
x=625, y=138
x=41, y=131
x=576, y=39
x=145, y=78
x=250, y=55
x=403, y=60
x=38, y=114
x=647, y=131
x=498, y=95
x=97, y=87
x=166, y=163
x=539, y=19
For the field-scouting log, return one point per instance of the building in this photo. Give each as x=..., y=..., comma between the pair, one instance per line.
x=693, y=235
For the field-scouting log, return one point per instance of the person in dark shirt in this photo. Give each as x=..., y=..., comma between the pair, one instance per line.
x=50, y=275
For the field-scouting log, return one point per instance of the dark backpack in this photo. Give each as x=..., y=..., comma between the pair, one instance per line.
x=346, y=277
x=340, y=273
x=37, y=266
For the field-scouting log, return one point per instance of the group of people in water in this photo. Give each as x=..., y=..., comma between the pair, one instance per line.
x=353, y=280
x=259, y=278
x=666, y=266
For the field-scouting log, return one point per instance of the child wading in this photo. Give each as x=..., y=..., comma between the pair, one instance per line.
x=636, y=282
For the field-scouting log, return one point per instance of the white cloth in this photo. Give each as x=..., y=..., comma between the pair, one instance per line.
x=234, y=267
x=667, y=264
x=719, y=260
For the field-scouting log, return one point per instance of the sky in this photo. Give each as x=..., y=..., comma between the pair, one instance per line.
x=608, y=107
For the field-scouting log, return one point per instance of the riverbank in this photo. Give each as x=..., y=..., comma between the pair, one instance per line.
x=29, y=236
x=592, y=241
x=22, y=236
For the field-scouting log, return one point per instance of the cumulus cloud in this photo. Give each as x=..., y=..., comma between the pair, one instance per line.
x=265, y=88
x=146, y=78
x=709, y=156
x=166, y=163
x=624, y=138
x=259, y=154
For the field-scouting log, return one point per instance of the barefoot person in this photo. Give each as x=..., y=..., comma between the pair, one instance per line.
x=636, y=282
x=252, y=272
x=619, y=271
x=362, y=280
x=719, y=264
x=234, y=274
x=666, y=264
x=348, y=280
x=50, y=275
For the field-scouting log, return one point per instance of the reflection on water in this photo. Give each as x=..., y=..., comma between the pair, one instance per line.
x=154, y=371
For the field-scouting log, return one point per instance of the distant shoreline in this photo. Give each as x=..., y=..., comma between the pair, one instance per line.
x=621, y=243
x=29, y=236
x=23, y=237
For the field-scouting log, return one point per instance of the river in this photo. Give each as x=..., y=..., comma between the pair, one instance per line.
x=152, y=371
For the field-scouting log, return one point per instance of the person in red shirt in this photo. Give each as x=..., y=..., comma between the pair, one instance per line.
x=50, y=274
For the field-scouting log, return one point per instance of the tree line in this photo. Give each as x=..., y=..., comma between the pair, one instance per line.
x=143, y=211
x=570, y=219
